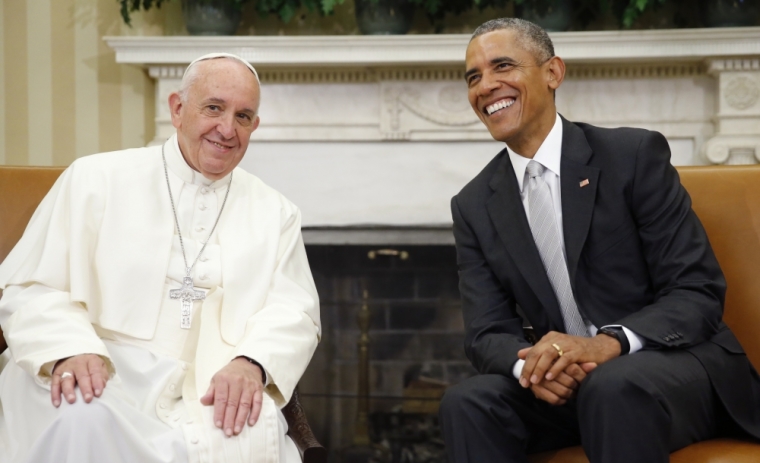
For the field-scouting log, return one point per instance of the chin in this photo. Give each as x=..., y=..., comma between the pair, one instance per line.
x=213, y=171
x=501, y=135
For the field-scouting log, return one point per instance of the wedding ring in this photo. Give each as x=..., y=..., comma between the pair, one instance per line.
x=65, y=375
x=559, y=349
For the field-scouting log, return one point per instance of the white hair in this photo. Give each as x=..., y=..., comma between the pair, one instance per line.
x=191, y=72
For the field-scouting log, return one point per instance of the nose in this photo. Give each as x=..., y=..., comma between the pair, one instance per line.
x=226, y=126
x=488, y=83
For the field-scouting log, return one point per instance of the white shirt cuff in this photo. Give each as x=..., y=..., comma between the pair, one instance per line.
x=517, y=368
x=635, y=341
x=268, y=377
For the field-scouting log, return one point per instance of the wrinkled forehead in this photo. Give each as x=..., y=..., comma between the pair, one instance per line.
x=498, y=45
x=499, y=41
x=224, y=81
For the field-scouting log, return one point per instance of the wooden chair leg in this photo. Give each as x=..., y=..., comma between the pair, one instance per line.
x=300, y=431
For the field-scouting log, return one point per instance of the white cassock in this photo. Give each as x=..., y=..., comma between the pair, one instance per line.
x=92, y=274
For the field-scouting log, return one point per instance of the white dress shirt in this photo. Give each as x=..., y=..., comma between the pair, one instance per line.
x=549, y=155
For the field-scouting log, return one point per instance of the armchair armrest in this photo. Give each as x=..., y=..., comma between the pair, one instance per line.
x=300, y=431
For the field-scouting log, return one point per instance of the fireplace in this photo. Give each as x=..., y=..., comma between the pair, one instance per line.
x=416, y=345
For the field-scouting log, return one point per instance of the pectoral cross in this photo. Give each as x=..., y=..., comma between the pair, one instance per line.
x=187, y=294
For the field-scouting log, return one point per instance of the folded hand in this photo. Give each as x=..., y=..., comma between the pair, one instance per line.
x=558, y=391
x=556, y=351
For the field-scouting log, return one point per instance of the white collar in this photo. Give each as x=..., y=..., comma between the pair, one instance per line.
x=548, y=154
x=179, y=167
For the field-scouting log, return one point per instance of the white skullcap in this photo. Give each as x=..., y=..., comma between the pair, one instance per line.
x=224, y=55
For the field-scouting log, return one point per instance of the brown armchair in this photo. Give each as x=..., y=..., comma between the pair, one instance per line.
x=22, y=189
x=727, y=201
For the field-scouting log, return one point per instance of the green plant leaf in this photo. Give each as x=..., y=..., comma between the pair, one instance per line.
x=328, y=6
x=286, y=12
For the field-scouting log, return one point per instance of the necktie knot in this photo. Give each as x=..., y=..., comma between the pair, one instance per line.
x=535, y=169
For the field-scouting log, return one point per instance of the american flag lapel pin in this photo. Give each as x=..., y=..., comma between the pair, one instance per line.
x=584, y=182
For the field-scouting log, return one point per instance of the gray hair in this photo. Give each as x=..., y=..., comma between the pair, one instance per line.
x=191, y=72
x=531, y=37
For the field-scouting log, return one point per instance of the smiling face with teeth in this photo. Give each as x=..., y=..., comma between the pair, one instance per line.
x=216, y=117
x=510, y=91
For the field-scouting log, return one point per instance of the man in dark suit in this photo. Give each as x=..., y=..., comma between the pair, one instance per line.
x=590, y=233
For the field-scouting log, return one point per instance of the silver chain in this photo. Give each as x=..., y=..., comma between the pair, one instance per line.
x=189, y=269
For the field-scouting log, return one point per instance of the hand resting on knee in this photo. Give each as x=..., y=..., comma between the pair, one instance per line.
x=236, y=392
x=89, y=371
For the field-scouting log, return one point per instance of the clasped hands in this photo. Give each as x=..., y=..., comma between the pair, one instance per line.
x=236, y=391
x=555, y=378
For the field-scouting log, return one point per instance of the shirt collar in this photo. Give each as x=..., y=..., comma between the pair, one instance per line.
x=548, y=154
x=179, y=167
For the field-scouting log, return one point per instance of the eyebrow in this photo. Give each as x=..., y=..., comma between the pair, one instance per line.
x=495, y=61
x=222, y=101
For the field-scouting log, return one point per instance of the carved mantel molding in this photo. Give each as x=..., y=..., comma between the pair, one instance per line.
x=738, y=119
x=437, y=50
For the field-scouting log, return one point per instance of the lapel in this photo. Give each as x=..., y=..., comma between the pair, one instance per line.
x=577, y=202
x=508, y=216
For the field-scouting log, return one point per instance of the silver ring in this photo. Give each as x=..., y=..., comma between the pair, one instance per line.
x=65, y=375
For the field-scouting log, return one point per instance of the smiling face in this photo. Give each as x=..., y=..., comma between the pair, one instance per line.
x=510, y=91
x=216, y=117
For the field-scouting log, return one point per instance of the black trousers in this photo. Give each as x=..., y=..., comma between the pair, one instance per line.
x=634, y=409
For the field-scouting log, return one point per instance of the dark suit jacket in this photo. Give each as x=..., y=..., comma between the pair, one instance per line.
x=637, y=256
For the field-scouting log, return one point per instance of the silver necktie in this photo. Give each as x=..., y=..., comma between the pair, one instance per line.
x=543, y=225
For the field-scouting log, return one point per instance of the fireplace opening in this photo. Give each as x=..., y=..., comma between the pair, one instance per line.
x=405, y=299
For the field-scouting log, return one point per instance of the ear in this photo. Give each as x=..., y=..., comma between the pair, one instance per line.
x=555, y=72
x=175, y=105
x=256, y=123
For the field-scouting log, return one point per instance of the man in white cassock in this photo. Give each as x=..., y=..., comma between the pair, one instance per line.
x=160, y=307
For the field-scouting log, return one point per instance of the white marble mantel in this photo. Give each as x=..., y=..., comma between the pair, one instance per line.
x=444, y=49
x=376, y=130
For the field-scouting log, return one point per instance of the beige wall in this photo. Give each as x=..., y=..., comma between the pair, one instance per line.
x=62, y=95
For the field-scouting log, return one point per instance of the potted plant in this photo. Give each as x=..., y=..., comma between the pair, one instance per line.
x=552, y=15
x=378, y=17
x=715, y=13
x=395, y=16
x=202, y=17
x=286, y=9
